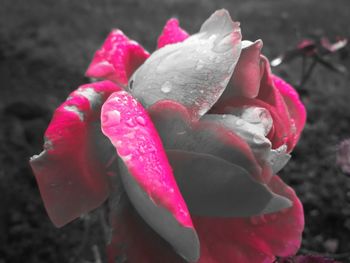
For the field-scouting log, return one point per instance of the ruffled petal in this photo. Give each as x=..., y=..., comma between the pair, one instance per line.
x=172, y=33
x=272, y=96
x=251, y=133
x=278, y=132
x=252, y=124
x=72, y=171
x=117, y=59
x=284, y=130
x=194, y=72
x=295, y=107
x=146, y=173
x=258, y=239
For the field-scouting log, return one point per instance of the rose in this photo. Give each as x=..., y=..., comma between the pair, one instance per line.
x=197, y=150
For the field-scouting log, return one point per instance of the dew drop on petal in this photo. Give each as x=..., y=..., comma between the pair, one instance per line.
x=130, y=123
x=140, y=120
x=112, y=117
x=123, y=151
x=166, y=87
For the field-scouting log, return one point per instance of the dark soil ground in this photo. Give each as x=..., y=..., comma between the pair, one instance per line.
x=45, y=47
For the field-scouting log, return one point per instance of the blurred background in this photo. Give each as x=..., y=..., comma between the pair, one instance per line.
x=45, y=48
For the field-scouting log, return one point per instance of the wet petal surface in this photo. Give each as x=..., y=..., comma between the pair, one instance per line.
x=194, y=72
x=257, y=239
x=72, y=171
x=146, y=173
x=117, y=59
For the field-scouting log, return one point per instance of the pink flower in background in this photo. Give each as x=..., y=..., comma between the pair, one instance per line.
x=185, y=142
x=343, y=156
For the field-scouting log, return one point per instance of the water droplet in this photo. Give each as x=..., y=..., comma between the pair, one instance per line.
x=123, y=151
x=140, y=120
x=117, y=99
x=118, y=144
x=212, y=37
x=114, y=115
x=130, y=135
x=293, y=127
x=166, y=87
x=130, y=123
x=127, y=157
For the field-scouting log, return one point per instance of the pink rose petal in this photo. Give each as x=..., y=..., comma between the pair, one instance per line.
x=134, y=241
x=146, y=173
x=71, y=173
x=282, y=102
x=172, y=33
x=270, y=94
x=258, y=239
x=117, y=59
x=278, y=132
x=295, y=107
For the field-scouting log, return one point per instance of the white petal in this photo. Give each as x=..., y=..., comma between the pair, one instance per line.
x=212, y=186
x=194, y=72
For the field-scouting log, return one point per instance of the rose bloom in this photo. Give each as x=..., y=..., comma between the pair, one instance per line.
x=185, y=143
